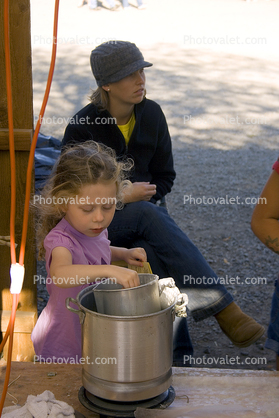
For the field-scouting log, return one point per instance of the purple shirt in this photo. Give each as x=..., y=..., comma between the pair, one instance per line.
x=57, y=333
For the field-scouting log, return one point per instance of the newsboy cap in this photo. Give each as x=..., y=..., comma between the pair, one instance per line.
x=114, y=60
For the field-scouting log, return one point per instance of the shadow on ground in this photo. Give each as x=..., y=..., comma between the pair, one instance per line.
x=210, y=99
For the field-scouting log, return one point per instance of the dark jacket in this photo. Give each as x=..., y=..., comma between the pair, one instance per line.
x=149, y=145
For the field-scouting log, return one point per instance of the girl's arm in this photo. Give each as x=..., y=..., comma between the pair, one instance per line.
x=265, y=217
x=65, y=274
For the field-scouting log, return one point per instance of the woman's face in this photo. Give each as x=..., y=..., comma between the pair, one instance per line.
x=129, y=90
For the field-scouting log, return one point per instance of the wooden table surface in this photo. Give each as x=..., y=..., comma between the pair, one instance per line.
x=203, y=388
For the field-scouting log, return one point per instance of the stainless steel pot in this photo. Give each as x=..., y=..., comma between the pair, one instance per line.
x=113, y=299
x=125, y=358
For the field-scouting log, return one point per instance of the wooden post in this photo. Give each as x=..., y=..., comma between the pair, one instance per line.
x=21, y=67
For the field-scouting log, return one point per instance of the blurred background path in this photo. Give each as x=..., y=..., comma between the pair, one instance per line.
x=215, y=70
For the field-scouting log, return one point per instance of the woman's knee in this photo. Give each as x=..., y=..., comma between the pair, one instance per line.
x=146, y=208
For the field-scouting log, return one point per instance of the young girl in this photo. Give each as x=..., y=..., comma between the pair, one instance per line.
x=76, y=207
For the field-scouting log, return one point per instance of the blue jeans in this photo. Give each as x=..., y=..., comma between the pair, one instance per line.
x=272, y=341
x=125, y=3
x=93, y=3
x=171, y=254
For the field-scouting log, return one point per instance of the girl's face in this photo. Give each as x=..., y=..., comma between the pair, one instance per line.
x=129, y=90
x=92, y=210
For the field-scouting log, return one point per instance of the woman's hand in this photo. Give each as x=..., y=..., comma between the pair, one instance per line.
x=139, y=191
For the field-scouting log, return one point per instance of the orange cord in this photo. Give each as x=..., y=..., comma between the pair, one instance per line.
x=10, y=349
x=11, y=130
x=10, y=329
x=34, y=141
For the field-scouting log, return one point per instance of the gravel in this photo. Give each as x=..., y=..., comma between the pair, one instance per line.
x=223, y=235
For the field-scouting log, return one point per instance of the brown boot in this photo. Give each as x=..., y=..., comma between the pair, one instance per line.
x=240, y=328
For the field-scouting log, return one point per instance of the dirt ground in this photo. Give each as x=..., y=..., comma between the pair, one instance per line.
x=223, y=235
x=215, y=75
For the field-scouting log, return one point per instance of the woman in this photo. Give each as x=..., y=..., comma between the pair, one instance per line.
x=266, y=227
x=121, y=117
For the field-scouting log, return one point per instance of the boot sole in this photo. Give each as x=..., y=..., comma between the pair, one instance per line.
x=249, y=342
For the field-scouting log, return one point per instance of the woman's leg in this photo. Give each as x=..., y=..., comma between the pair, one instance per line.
x=111, y=3
x=178, y=256
x=92, y=4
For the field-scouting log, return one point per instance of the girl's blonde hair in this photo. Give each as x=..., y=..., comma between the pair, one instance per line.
x=78, y=166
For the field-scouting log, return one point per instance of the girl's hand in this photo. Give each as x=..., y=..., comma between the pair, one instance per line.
x=135, y=256
x=126, y=277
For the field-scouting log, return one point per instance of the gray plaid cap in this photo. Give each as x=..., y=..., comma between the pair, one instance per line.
x=114, y=60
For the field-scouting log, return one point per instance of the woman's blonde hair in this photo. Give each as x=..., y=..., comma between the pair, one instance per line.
x=100, y=98
x=78, y=166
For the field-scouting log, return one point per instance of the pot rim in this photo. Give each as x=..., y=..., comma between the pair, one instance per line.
x=129, y=289
x=84, y=292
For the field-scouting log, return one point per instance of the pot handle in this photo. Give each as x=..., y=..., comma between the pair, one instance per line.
x=180, y=305
x=80, y=313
